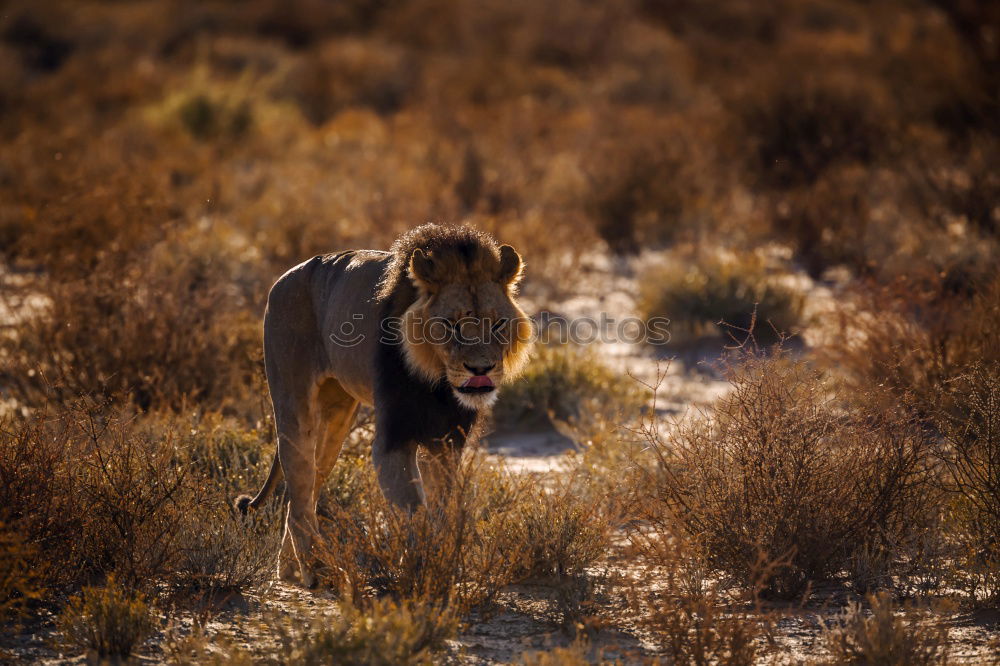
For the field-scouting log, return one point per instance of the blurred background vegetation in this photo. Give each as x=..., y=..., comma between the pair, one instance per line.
x=178, y=147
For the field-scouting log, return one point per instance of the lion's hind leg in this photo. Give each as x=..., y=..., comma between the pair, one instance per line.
x=297, y=451
x=298, y=428
x=337, y=409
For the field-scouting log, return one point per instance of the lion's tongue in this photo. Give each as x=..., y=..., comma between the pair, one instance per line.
x=478, y=381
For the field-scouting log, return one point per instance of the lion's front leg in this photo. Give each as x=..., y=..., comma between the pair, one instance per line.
x=398, y=474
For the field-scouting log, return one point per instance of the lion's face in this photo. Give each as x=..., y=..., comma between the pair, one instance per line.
x=466, y=328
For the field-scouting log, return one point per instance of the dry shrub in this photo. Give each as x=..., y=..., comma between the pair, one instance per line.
x=724, y=296
x=959, y=189
x=37, y=494
x=383, y=632
x=969, y=451
x=913, y=337
x=96, y=491
x=567, y=384
x=300, y=23
x=108, y=621
x=162, y=332
x=886, y=636
x=132, y=495
x=42, y=45
x=18, y=583
x=653, y=179
x=828, y=223
x=812, y=147
x=935, y=352
x=638, y=193
x=103, y=199
x=783, y=468
x=218, y=553
x=931, y=214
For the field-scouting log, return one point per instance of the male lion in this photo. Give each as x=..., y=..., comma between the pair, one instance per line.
x=425, y=333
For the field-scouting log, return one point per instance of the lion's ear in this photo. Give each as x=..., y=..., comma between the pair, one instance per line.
x=510, y=265
x=423, y=269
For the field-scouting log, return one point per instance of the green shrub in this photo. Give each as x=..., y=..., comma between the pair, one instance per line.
x=209, y=109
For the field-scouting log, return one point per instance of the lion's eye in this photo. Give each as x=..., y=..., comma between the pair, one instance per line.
x=495, y=327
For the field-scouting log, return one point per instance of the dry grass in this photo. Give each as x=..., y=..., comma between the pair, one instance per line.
x=106, y=621
x=386, y=633
x=381, y=631
x=17, y=581
x=488, y=531
x=689, y=614
x=886, y=635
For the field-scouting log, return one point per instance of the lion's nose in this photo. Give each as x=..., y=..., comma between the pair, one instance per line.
x=479, y=370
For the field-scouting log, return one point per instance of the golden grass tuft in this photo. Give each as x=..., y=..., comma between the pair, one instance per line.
x=107, y=621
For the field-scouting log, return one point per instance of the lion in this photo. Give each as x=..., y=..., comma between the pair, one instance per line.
x=425, y=333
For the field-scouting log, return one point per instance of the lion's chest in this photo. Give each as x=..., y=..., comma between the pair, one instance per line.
x=408, y=410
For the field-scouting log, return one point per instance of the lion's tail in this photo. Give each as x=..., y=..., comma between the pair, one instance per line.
x=244, y=503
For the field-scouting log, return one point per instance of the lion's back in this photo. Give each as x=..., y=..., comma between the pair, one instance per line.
x=323, y=319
